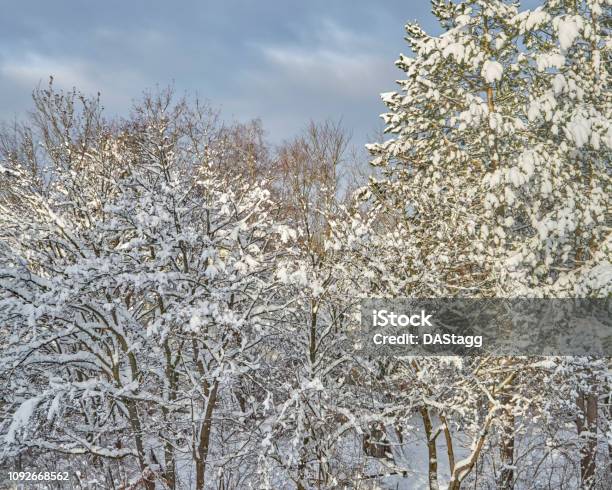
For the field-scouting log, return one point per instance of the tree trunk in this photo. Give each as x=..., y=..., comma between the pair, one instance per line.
x=462, y=469
x=587, y=430
x=506, y=481
x=431, y=450
x=135, y=418
x=449, y=444
x=204, y=437
x=169, y=457
x=169, y=466
x=137, y=430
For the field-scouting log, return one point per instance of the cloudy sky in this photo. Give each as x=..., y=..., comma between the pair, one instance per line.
x=284, y=61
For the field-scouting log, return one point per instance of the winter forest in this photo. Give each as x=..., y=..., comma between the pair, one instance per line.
x=176, y=291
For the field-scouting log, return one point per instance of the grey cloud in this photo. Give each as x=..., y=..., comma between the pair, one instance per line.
x=285, y=62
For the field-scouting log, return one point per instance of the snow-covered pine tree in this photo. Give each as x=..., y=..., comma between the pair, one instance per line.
x=501, y=144
x=498, y=158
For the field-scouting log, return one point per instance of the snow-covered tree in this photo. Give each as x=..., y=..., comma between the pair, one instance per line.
x=178, y=302
x=503, y=141
x=135, y=281
x=308, y=424
x=498, y=161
